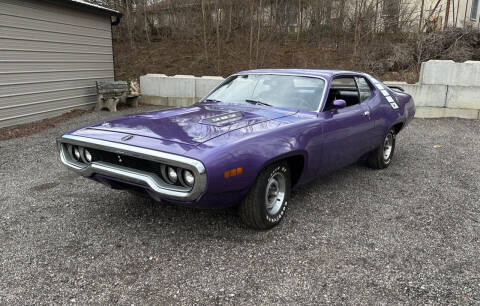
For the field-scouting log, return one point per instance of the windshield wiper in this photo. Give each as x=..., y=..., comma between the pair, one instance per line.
x=257, y=102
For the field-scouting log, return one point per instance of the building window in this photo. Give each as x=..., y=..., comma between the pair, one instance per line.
x=473, y=16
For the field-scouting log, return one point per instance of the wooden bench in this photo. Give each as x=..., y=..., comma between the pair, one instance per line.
x=109, y=94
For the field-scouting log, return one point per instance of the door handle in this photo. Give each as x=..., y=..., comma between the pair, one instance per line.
x=366, y=113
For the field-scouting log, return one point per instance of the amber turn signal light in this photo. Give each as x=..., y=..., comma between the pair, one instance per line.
x=233, y=172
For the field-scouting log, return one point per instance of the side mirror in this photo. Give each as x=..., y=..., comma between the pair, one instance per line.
x=339, y=104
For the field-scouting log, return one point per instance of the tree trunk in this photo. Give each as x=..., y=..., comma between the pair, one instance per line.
x=230, y=12
x=204, y=30
x=458, y=10
x=447, y=14
x=465, y=18
x=128, y=19
x=355, y=41
x=341, y=17
x=431, y=14
x=420, y=22
x=275, y=17
x=299, y=23
x=251, y=36
x=217, y=11
x=259, y=17
x=145, y=20
x=453, y=11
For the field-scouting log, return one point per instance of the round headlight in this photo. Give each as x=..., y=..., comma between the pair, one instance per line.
x=88, y=156
x=76, y=153
x=188, y=178
x=172, y=174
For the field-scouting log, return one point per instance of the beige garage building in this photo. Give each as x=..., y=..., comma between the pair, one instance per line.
x=51, y=55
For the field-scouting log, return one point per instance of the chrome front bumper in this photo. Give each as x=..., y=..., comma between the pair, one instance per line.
x=153, y=183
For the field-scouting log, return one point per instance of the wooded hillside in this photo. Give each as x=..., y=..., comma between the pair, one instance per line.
x=387, y=38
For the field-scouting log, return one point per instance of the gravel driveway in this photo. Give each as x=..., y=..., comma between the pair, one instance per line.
x=405, y=235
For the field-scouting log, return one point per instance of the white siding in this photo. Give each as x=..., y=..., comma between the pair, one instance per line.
x=50, y=58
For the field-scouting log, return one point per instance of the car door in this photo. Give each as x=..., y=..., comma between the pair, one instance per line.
x=346, y=130
x=369, y=98
x=378, y=109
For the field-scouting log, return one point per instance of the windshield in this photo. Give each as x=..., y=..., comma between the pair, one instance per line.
x=297, y=92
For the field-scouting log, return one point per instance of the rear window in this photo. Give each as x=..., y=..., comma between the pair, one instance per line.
x=344, y=82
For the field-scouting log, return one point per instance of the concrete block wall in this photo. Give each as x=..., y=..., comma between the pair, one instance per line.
x=445, y=89
x=176, y=91
x=450, y=73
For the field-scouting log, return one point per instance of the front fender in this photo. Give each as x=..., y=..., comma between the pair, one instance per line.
x=251, y=156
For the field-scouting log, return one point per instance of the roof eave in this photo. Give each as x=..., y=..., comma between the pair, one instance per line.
x=88, y=7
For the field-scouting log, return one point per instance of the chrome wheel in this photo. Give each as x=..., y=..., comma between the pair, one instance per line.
x=387, y=148
x=275, y=194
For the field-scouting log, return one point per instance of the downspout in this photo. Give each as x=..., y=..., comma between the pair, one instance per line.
x=117, y=20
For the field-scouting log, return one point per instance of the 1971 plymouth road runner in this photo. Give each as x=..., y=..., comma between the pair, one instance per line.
x=253, y=138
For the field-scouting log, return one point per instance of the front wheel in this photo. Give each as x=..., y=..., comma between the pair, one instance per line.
x=266, y=202
x=381, y=158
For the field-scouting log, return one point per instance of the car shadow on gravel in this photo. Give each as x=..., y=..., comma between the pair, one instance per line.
x=134, y=208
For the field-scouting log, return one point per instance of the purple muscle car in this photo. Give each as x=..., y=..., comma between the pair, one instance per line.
x=256, y=136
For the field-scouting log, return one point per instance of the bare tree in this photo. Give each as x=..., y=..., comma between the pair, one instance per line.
x=465, y=18
x=251, y=35
x=259, y=17
x=299, y=23
x=447, y=14
x=204, y=21
x=218, y=15
x=420, y=20
x=432, y=12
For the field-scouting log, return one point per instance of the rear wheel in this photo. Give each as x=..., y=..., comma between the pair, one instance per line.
x=266, y=202
x=381, y=158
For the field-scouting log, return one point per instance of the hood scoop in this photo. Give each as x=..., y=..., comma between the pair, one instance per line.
x=223, y=119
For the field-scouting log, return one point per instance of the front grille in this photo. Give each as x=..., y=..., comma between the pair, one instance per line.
x=80, y=156
x=167, y=175
x=126, y=161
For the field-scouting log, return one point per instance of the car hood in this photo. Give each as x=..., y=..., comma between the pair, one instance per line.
x=192, y=125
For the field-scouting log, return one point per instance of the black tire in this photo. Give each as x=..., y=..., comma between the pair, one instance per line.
x=253, y=209
x=377, y=159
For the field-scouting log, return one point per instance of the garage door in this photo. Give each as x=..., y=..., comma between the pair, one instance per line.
x=50, y=58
